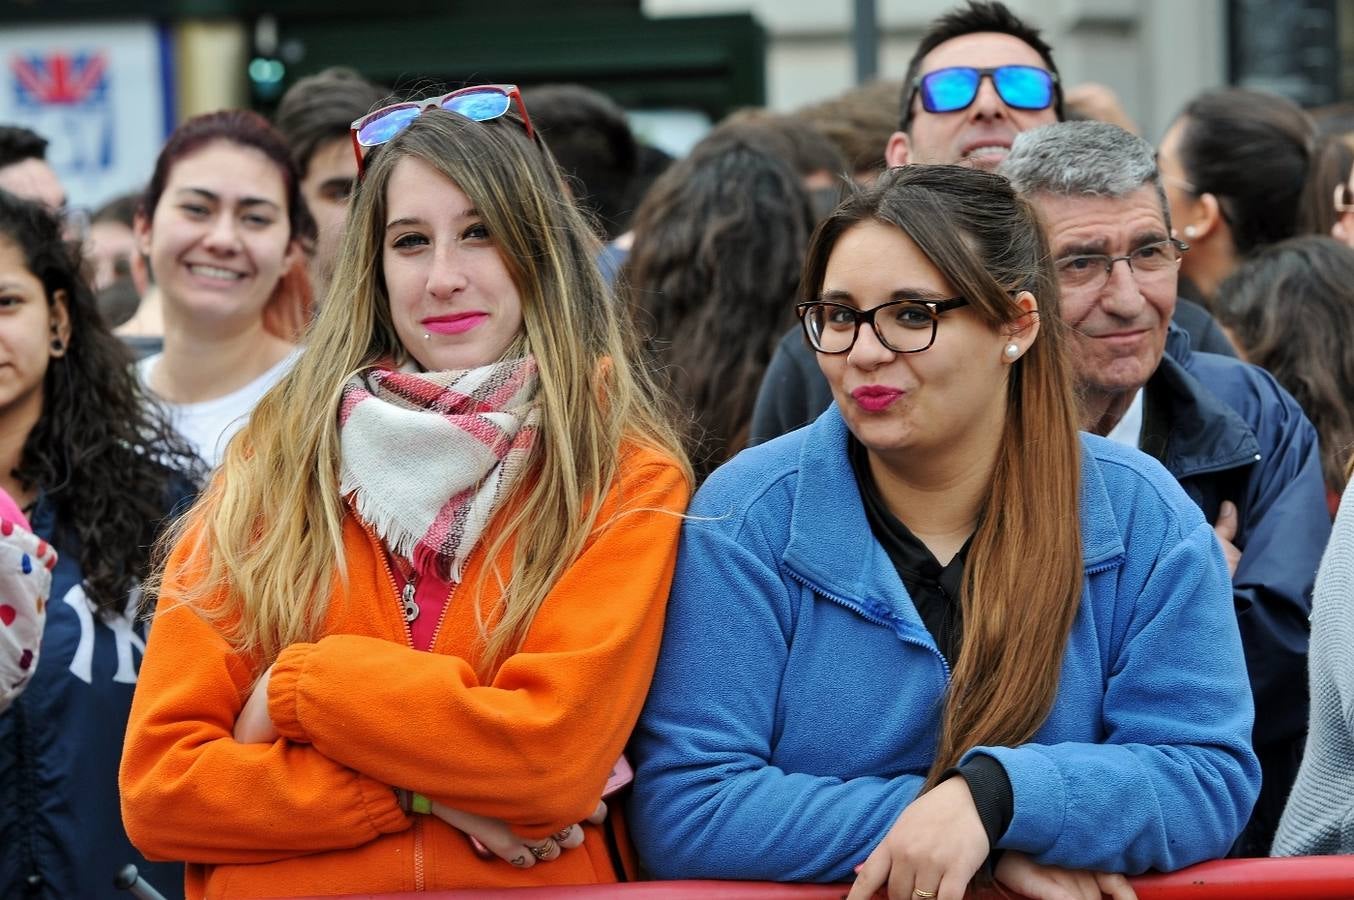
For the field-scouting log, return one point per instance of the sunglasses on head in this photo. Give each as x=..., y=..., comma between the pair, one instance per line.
x=955, y=88
x=479, y=103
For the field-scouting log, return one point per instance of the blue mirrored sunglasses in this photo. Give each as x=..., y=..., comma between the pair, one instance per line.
x=480, y=103
x=955, y=88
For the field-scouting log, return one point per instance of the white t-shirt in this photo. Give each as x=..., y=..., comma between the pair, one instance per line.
x=211, y=424
x=1129, y=430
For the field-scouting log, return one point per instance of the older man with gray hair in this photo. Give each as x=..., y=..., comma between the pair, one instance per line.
x=1234, y=439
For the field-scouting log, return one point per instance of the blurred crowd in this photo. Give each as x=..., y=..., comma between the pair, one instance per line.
x=1017, y=445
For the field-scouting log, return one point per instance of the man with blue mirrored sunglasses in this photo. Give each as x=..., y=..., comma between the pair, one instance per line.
x=996, y=76
x=979, y=77
x=985, y=65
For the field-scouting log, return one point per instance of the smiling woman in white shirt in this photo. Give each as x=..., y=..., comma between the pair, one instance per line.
x=223, y=225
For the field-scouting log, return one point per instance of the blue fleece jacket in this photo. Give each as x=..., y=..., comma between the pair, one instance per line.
x=795, y=709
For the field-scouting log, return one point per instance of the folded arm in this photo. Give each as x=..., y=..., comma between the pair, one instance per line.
x=191, y=792
x=708, y=803
x=1174, y=780
x=534, y=746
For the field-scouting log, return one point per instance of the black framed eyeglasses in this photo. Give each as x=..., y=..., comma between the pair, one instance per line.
x=903, y=326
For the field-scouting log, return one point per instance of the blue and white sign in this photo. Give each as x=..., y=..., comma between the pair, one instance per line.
x=102, y=96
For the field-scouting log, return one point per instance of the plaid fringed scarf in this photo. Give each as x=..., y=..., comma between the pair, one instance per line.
x=429, y=456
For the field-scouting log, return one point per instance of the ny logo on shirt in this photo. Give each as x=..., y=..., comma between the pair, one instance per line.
x=124, y=635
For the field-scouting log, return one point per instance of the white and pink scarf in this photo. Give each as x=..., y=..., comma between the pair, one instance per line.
x=429, y=456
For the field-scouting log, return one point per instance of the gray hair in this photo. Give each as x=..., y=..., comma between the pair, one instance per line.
x=1082, y=158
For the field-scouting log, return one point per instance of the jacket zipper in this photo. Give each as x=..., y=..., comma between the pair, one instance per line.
x=442, y=616
x=420, y=884
x=394, y=586
x=1105, y=566
x=930, y=648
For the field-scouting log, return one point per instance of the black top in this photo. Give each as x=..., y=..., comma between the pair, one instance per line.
x=934, y=588
x=935, y=591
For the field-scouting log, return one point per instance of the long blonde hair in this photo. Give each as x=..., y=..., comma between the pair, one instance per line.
x=1023, y=576
x=272, y=520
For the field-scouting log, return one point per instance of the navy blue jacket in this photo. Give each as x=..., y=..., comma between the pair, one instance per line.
x=61, y=830
x=1234, y=434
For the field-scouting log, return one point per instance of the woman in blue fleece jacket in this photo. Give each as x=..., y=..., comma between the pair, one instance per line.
x=937, y=623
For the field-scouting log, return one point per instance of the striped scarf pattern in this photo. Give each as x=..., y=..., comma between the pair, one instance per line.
x=429, y=456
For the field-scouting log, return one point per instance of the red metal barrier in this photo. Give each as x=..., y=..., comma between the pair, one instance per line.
x=1297, y=878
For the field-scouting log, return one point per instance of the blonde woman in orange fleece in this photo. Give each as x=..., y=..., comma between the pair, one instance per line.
x=422, y=600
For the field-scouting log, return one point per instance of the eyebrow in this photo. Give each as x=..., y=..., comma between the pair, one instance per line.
x=471, y=213
x=1153, y=236
x=907, y=293
x=216, y=198
x=1086, y=248
x=1100, y=247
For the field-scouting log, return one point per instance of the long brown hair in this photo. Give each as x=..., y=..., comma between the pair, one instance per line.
x=1023, y=577
x=273, y=518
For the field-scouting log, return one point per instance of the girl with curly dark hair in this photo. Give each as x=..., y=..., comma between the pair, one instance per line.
x=719, y=241
x=98, y=471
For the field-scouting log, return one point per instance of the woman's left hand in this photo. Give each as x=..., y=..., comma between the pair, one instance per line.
x=498, y=838
x=1038, y=882
x=255, y=725
x=934, y=848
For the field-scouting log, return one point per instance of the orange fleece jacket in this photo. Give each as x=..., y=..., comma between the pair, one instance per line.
x=361, y=711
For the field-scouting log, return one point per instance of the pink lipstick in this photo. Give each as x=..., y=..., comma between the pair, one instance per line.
x=457, y=323
x=875, y=397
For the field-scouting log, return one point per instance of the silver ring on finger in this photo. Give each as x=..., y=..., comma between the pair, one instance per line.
x=544, y=851
x=563, y=834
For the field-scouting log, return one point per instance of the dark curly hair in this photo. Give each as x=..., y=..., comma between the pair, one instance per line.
x=102, y=455
x=719, y=241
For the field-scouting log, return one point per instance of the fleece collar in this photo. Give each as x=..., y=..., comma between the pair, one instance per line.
x=831, y=547
x=1206, y=434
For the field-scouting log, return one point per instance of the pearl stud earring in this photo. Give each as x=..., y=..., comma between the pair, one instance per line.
x=1191, y=231
x=1012, y=351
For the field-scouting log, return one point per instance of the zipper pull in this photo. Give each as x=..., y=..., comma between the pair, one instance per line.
x=409, y=603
